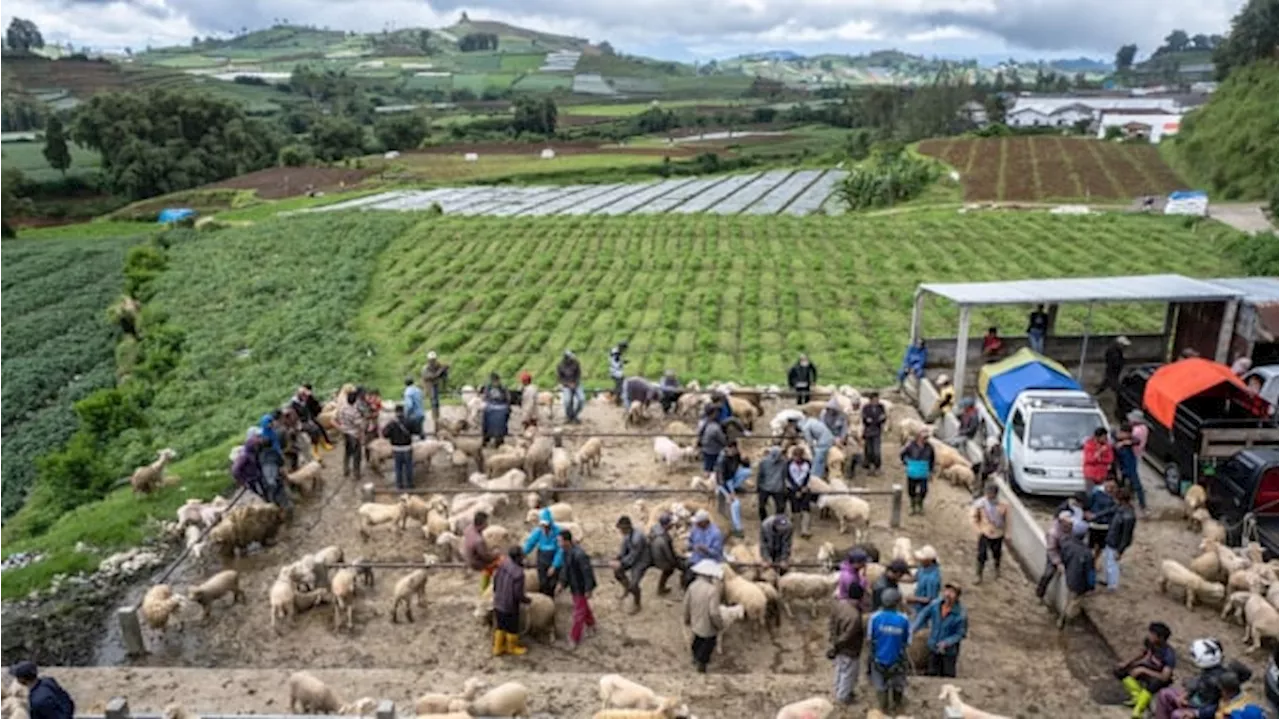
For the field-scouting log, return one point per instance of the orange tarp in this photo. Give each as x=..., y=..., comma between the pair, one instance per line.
x=1173, y=383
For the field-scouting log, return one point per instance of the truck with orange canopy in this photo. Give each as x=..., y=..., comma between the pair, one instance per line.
x=1200, y=415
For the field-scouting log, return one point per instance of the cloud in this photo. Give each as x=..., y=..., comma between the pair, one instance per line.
x=1094, y=26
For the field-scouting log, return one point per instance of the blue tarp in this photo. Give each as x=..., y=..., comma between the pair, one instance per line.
x=175, y=214
x=1003, y=389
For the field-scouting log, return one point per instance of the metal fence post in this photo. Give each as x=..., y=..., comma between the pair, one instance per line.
x=895, y=512
x=386, y=710
x=131, y=631
x=117, y=708
x=366, y=492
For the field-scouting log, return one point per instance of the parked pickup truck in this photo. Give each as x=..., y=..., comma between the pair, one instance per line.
x=1042, y=418
x=1200, y=414
x=1246, y=486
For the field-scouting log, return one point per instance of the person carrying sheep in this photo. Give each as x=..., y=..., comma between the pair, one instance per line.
x=928, y=579
x=702, y=602
x=1037, y=329
x=1119, y=537
x=46, y=699
x=946, y=399
x=580, y=578
x=308, y=409
x=633, y=560
x=705, y=542
x=545, y=538
x=508, y=595
x=497, y=411
x=801, y=378
x=351, y=423
x=662, y=550
x=617, y=365
x=917, y=457
x=434, y=375
x=732, y=471
x=775, y=542
x=671, y=391
x=948, y=624
x=873, y=419
x=889, y=635
x=569, y=375
x=415, y=414
x=913, y=362
x=771, y=482
x=846, y=632
x=819, y=436
x=400, y=435
x=476, y=551
x=798, y=495
x=1200, y=694
x=1151, y=671
x=836, y=420
x=990, y=517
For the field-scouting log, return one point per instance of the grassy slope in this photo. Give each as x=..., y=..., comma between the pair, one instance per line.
x=29, y=158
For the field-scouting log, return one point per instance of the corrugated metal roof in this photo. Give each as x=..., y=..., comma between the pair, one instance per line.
x=1256, y=290
x=1142, y=288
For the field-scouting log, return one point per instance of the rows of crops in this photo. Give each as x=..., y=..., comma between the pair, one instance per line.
x=57, y=344
x=1044, y=168
x=719, y=297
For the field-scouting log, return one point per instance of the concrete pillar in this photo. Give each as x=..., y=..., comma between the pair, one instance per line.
x=131, y=631
x=962, y=351
x=1226, y=331
x=895, y=511
x=1170, y=323
x=917, y=307
x=117, y=708
x=366, y=492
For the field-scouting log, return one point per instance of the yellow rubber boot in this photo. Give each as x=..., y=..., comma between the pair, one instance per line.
x=1135, y=690
x=499, y=643
x=513, y=645
x=1140, y=704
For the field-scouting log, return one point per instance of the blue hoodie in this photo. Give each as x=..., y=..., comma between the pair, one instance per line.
x=915, y=360
x=950, y=629
x=546, y=540
x=269, y=434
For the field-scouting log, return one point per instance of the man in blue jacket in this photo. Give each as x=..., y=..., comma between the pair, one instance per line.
x=889, y=634
x=46, y=699
x=948, y=624
x=546, y=539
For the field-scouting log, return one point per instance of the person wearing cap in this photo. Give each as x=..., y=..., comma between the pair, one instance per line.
x=798, y=495
x=545, y=538
x=476, y=551
x=271, y=459
x=913, y=362
x=1037, y=329
x=670, y=391
x=1119, y=537
x=632, y=561
x=889, y=634
x=398, y=433
x=662, y=550
x=617, y=364
x=706, y=541
x=928, y=579
x=46, y=699
x=970, y=423
x=528, y=399
x=819, y=436
x=1078, y=571
x=990, y=517
x=836, y=420
x=580, y=578
x=1098, y=456
x=946, y=400
x=853, y=572
x=771, y=482
x=846, y=632
x=701, y=616
x=948, y=624
x=1059, y=528
x=1149, y=672
x=711, y=440
x=569, y=375
x=434, y=374
x=873, y=418
x=801, y=378
x=731, y=472
x=775, y=542
x=508, y=595
x=1113, y=365
x=893, y=574
x=415, y=414
x=918, y=459
x=497, y=411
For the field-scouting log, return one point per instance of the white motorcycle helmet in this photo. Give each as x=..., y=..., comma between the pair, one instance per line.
x=1206, y=653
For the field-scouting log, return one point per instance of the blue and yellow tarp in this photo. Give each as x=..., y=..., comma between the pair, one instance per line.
x=1000, y=383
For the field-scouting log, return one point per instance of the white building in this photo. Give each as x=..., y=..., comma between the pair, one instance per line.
x=1152, y=126
x=1027, y=115
x=1067, y=111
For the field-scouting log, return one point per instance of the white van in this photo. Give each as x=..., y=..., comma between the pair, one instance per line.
x=1044, y=439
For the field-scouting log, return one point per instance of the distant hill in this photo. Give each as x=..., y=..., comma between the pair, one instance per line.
x=1083, y=64
x=891, y=67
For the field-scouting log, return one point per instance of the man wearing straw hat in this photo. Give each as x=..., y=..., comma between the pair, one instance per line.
x=702, y=610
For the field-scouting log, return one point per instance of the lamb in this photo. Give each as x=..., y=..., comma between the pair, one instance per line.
x=217, y=586
x=951, y=695
x=302, y=572
x=373, y=514
x=635, y=415
x=442, y=703
x=560, y=512
x=160, y=604
x=343, y=588
x=811, y=587
x=848, y=510
x=1194, y=499
x=960, y=475
x=424, y=451
x=538, y=457
x=908, y=428
x=309, y=695
x=1207, y=565
x=505, y=700
x=501, y=462
x=147, y=478
x=589, y=455
x=307, y=477
x=811, y=708
x=1210, y=528
x=513, y=478
x=618, y=692
x=738, y=590
x=561, y=463
x=410, y=585
x=667, y=451
x=1192, y=584
x=1260, y=620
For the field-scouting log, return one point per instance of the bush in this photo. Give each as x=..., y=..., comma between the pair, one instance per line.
x=887, y=179
x=296, y=156
x=142, y=265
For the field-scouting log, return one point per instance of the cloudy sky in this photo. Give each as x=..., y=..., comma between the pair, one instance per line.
x=676, y=29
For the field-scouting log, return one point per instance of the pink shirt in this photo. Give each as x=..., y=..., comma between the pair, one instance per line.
x=1140, y=432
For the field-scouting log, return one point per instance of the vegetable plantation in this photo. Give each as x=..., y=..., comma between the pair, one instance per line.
x=58, y=346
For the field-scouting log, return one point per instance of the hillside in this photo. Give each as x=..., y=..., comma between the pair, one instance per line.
x=890, y=67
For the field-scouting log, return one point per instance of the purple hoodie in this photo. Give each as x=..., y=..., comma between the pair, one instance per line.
x=245, y=469
x=849, y=575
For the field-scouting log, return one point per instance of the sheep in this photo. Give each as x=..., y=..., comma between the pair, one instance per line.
x=676, y=428
x=902, y=550
x=537, y=618
x=588, y=455
x=147, y=478
x=219, y=585
x=302, y=572
x=827, y=556
x=513, y=478
x=667, y=451
x=160, y=604
x=449, y=546
x=459, y=521
x=441, y=703
x=1230, y=561
x=245, y=525
x=811, y=708
x=951, y=695
x=1247, y=580
x=738, y=590
x=1273, y=595
x=307, y=477
x=744, y=411
x=496, y=536
x=302, y=601
x=377, y=452
x=560, y=512
x=633, y=714
x=1207, y=564
x=309, y=695
x=618, y=692
x=689, y=404
x=502, y=461
x=436, y=524
x=465, y=449
x=908, y=428
x=635, y=415
x=848, y=510
x=343, y=589
x=505, y=700
x=1210, y=528
x=190, y=513
x=811, y=587
x=410, y=585
x=960, y=475
x=702, y=483
x=561, y=463
x=419, y=509
x=537, y=458
x=283, y=598
x=424, y=451
x=1192, y=584
x=373, y=514
x=1194, y=499
x=944, y=455
x=1260, y=620
x=835, y=460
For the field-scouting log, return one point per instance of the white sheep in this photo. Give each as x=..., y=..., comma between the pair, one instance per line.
x=804, y=586
x=436, y=703
x=827, y=556
x=811, y=708
x=149, y=477
x=1210, y=528
x=309, y=695
x=1207, y=564
x=219, y=585
x=189, y=513
x=303, y=601
x=343, y=589
x=505, y=700
x=373, y=514
x=424, y=451
x=1191, y=583
x=503, y=461
x=1230, y=561
x=951, y=695
x=514, y=478
x=560, y=512
x=618, y=692
x=538, y=457
x=739, y=590
x=561, y=463
x=282, y=597
x=160, y=604
x=633, y=714
x=411, y=585
x=1260, y=620
x=902, y=550
x=588, y=455
x=849, y=511
x=1194, y=499
x=302, y=572
x=307, y=477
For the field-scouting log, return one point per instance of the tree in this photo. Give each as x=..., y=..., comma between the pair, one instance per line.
x=1176, y=41
x=334, y=138
x=1252, y=37
x=12, y=203
x=1124, y=57
x=23, y=36
x=401, y=132
x=606, y=49
x=996, y=109
x=55, y=145
x=1200, y=41
x=535, y=115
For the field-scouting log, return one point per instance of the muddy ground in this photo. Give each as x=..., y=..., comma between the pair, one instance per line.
x=1014, y=662
x=279, y=182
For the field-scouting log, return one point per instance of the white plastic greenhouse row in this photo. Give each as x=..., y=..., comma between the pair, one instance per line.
x=802, y=192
